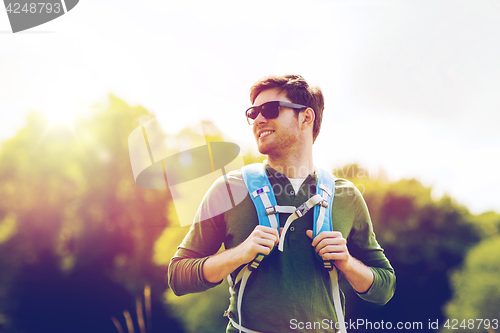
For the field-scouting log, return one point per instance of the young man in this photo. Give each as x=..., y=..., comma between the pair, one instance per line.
x=290, y=288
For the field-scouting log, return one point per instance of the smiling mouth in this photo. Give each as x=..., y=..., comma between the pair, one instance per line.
x=265, y=133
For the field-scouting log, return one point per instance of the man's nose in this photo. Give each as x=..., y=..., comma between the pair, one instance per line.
x=260, y=119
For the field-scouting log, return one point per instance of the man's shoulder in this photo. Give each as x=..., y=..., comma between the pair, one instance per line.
x=235, y=175
x=229, y=184
x=346, y=188
x=231, y=178
x=225, y=192
x=234, y=179
x=343, y=183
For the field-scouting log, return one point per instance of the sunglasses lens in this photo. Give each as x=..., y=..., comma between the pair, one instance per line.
x=270, y=110
x=252, y=113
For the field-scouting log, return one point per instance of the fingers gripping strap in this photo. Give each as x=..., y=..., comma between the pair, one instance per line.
x=336, y=300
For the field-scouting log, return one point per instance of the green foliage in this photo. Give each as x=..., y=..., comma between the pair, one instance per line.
x=166, y=245
x=476, y=285
x=7, y=227
x=202, y=312
x=423, y=238
x=76, y=231
x=476, y=290
x=487, y=223
x=249, y=158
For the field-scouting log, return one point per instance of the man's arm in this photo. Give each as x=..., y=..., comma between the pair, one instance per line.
x=191, y=272
x=360, y=257
x=261, y=240
x=330, y=245
x=204, y=239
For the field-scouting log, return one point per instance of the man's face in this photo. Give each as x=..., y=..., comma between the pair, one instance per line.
x=276, y=136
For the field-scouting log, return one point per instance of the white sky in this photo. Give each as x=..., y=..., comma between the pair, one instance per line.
x=411, y=87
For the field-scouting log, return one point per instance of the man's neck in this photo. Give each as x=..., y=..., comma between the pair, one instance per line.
x=293, y=166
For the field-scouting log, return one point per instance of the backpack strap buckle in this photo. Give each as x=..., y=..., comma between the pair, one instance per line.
x=271, y=210
x=306, y=206
x=301, y=210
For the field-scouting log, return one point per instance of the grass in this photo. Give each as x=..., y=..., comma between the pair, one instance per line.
x=142, y=322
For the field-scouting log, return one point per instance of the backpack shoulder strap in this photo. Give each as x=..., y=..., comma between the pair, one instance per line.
x=323, y=222
x=325, y=187
x=261, y=193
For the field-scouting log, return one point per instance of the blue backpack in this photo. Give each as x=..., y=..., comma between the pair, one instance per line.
x=262, y=195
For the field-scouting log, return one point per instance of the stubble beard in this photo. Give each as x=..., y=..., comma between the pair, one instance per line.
x=281, y=145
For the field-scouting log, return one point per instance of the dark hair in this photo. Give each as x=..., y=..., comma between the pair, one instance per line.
x=297, y=91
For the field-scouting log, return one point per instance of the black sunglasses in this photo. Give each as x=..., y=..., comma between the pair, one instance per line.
x=270, y=110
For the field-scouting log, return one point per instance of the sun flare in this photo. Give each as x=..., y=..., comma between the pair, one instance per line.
x=61, y=111
x=60, y=114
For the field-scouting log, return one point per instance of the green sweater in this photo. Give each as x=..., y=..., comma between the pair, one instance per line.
x=289, y=286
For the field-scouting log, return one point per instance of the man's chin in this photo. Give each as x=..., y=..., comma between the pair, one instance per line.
x=263, y=150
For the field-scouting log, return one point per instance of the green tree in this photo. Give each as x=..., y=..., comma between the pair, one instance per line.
x=477, y=290
x=76, y=232
x=199, y=312
x=423, y=238
x=202, y=312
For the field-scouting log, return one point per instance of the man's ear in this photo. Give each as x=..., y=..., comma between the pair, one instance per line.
x=308, y=119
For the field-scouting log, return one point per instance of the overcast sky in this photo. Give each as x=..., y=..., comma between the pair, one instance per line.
x=411, y=87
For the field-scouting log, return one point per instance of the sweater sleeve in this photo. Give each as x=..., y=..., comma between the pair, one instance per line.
x=363, y=245
x=185, y=271
x=185, y=274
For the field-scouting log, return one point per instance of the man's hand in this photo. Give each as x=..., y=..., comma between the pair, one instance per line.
x=331, y=245
x=261, y=240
